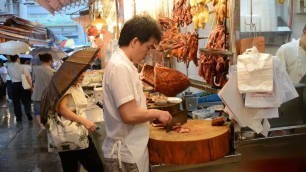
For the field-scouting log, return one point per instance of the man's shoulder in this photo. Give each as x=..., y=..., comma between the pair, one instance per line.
x=118, y=63
x=288, y=45
x=42, y=69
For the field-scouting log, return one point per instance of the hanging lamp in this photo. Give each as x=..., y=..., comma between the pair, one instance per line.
x=99, y=22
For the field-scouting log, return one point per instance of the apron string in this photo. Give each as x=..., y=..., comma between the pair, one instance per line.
x=117, y=146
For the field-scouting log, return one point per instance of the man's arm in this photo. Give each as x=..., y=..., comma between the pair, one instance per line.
x=132, y=114
x=281, y=55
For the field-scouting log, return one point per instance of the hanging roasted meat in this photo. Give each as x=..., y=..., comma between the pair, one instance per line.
x=193, y=48
x=147, y=74
x=200, y=13
x=167, y=81
x=207, y=68
x=170, y=82
x=214, y=68
x=221, y=10
x=182, y=46
x=181, y=13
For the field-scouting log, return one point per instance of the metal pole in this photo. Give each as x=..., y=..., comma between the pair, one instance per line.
x=134, y=7
x=251, y=13
x=117, y=17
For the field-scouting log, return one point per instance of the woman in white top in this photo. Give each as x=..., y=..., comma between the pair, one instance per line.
x=3, y=75
x=72, y=107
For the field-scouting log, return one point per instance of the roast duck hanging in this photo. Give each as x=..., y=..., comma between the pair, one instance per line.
x=214, y=68
x=182, y=46
x=165, y=80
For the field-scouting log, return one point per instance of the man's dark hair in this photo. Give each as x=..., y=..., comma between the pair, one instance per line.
x=45, y=57
x=14, y=58
x=142, y=27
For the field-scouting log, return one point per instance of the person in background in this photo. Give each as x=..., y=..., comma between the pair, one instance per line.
x=9, y=90
x=74, y=99
x=293, y=56
x=9, y=83
x=96, y=64
x=15, y=71
x=125, y=111
x=42, y=75
x=3, y=75
x=27, y=66
x=25, y=63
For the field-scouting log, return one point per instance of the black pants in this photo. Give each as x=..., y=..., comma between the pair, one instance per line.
x=25, y=96
x=9, y=89
x=89, y=159
x=3, y=89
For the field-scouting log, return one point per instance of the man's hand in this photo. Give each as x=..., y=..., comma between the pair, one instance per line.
x=164, y=117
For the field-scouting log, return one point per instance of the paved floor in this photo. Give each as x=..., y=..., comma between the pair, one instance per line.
x=21, y=150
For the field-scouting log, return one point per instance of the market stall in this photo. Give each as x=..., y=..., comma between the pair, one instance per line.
x=210, y=57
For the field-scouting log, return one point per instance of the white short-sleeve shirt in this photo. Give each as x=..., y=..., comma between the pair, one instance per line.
x=15, y=70
x=293, y=57
x=120, y=85
x=3, y=73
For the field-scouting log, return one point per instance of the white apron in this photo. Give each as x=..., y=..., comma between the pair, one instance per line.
x=137, y=140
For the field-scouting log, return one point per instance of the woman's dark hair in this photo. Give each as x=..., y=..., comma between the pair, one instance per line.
x=142, y=27
x=45, y=57
x=14, y=58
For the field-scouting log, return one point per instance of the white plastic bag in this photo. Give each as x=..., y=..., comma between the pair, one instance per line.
x=25, y=83
x=254, y=72
x=262, y=99
x=283, y=90
x=98, y=94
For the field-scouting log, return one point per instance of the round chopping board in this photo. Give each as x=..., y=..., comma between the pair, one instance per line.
x=203, y=143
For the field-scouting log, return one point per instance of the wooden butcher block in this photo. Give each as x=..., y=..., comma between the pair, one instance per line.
x=203, y=143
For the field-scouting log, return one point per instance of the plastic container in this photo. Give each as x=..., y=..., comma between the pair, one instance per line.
x=209, y=104
x=98, y=94
x=209, y=98
x=191, y=103
x=202, y=114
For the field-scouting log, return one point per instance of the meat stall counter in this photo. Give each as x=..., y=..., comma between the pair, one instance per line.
x=92, y=86
x=284, y=147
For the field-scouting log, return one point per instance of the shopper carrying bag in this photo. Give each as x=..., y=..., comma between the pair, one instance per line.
x=65, y=134
x=63, y=106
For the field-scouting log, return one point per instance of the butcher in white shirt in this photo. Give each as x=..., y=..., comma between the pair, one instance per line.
x=293, y=56
x=125, y=111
